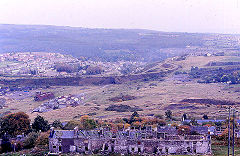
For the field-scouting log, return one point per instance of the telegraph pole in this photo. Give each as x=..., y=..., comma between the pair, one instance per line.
x=229, y=115
x=233, y=133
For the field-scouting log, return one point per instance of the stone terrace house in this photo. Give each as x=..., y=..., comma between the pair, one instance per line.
x=163, y=141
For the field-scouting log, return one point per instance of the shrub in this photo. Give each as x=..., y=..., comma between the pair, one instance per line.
x=159, y=116
x=122, y=108
x=57, y=124
x=42, y=139
x=72, y=124
x=30, y=140
x=184, y=130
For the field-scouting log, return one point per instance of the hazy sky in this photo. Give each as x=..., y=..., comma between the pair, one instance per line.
x=221, y=16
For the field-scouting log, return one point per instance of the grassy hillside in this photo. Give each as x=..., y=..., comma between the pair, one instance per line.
x=107, y=44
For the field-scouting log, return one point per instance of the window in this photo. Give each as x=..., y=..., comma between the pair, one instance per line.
x=195, y=151
x=54, y=147
x=60, y=148
x=166, y=150
x=60, y=140
x=106, y=147
x=86, y=148
x=139, y=150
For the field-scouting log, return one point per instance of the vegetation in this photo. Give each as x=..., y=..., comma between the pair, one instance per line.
x=221, y=150
x=85, y=123
x=57, y=124
x=168, y=114
x=122, y=98
x=215, y=75
x=15, y=124
x=109, y=45
x=42, y=139
x=122, y=108
x=30, y=140
x=40, y=124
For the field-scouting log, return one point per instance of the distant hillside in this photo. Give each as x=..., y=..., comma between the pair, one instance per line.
x=107, y=44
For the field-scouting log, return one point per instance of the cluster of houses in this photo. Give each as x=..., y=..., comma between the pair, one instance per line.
x=160, y=141
x=42, y=64
x=43, y=96
x=58, y=102
x=217, y=130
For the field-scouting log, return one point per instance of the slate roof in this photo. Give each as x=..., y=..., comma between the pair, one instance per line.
x=200, y=129
x=202, y=121
x=212, y=128
x=167, y=129
x=62, y=134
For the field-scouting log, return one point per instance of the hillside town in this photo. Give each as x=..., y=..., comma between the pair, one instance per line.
x=43, y=64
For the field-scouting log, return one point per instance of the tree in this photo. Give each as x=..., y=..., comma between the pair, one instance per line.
x=87, y=123
x=40, y=124
x=57, y=124
x=133, y=117
x=15, y=124
x=5, y=145
x=184, y=117
x=224, y=78
x=205, y=117
x=168, y=114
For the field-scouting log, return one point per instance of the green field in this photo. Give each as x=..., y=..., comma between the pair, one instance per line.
x=223, y=150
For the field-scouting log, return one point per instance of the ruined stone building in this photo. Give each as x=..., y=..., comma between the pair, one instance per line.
x=163, y=141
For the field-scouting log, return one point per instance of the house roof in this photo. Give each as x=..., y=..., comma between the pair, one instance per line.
x=63, y=134
x=200, y=129
x=202, y=121
x=167, y=129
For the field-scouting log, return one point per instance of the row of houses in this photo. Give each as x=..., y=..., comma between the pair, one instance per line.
x=162, y=141
x=217, y=130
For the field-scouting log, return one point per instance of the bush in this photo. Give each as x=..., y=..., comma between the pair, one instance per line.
x=122, y=98
x=159, y=116
x=87, y=123
x=18, y=145
x=122, y=108
x=71, y=125
x=42, y=139
x=184, y=130
x=30, y=140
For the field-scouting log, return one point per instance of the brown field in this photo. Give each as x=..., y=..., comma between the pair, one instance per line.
x=153, y=97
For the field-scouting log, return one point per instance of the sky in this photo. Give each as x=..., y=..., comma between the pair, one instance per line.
x=215, y=16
